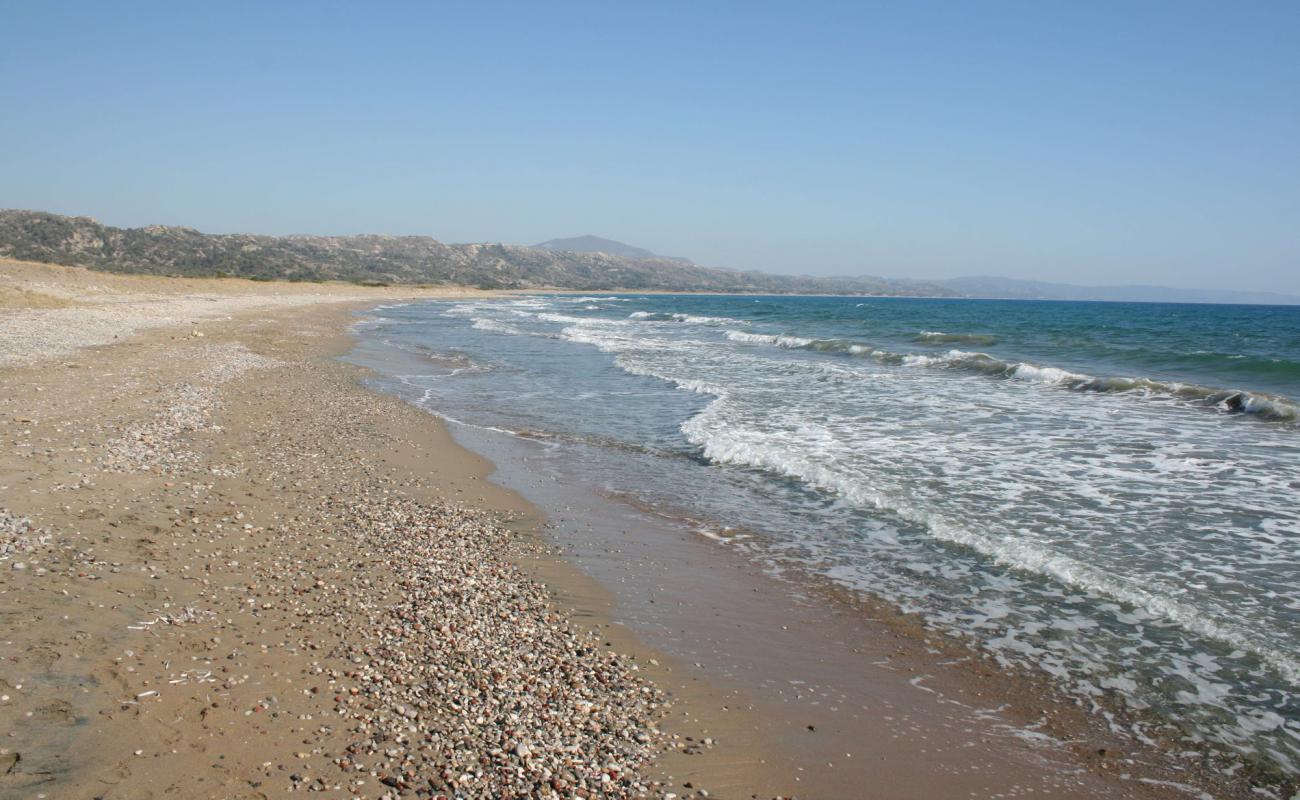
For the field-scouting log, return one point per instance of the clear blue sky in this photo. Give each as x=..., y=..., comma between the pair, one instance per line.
x=1088, y=142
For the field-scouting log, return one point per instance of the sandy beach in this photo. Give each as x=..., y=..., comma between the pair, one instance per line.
x=230, y=570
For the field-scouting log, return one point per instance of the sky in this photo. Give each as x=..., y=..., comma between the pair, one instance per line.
x=1082, y=142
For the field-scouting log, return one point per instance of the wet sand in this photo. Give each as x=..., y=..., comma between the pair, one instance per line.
x=210, y=603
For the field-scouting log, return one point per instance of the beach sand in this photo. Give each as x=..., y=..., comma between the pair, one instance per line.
x=230, y=570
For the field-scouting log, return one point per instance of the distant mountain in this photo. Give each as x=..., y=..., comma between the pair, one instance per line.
x=595, y=244
x=1010, y=288
x=163, y=250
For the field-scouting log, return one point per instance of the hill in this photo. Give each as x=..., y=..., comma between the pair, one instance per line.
x=165, y=250
x=595, y=244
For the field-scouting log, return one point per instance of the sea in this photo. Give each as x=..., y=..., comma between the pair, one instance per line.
x=1107, y=494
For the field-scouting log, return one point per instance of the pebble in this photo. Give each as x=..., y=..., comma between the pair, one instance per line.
x=512, y=697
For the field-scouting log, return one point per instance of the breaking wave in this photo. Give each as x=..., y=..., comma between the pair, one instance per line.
x=567, y=319
x=726, y=443
x=485, y=324
x=694, y=319
x=1232, y=401
x=792, y=342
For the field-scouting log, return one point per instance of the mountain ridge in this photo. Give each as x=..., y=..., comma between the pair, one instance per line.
x=597, y=244
x=374, y=258
x=378, y=258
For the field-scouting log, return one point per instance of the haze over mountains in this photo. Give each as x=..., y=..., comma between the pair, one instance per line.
x=583, y=262
x=595, y=244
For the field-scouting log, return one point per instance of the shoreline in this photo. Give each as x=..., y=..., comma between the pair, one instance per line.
x=816, y=647
x=1038, y=709
x=150, y=578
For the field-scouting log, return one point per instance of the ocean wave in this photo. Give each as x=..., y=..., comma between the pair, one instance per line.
x=1260, y=405
x=789, y=342
x=465, y=309
x=618, y=342
x=1233, y=401
x=566, y=319
x=687, y=384
x=485, y=324
x=842, y=346
x=693, y=319
x=724, y=443
x=939, y=337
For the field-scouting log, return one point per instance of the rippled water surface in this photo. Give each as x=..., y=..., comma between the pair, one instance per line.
x=1108, y=492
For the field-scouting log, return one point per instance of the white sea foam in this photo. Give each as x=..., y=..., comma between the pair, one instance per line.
x=568, y=319
x=696, y=319
x=1052, y=376
x=688, y=384
x=464, y=309
x=692, y=319
x=496, y=326
x=723, y=442
x=764, y=338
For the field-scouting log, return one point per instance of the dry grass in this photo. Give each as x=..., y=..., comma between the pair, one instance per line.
x=49, y=311
x=93, y=285
x=17, y=297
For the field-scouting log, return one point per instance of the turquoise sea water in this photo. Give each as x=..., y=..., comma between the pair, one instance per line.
x=1106, y=492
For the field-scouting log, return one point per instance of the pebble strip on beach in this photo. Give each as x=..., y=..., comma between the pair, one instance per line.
x=18, y=535
x=470, y=682
x=154, y=445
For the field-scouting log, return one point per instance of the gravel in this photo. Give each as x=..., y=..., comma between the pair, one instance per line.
x=158, y=444
x=471, y=682
x=19, y=535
